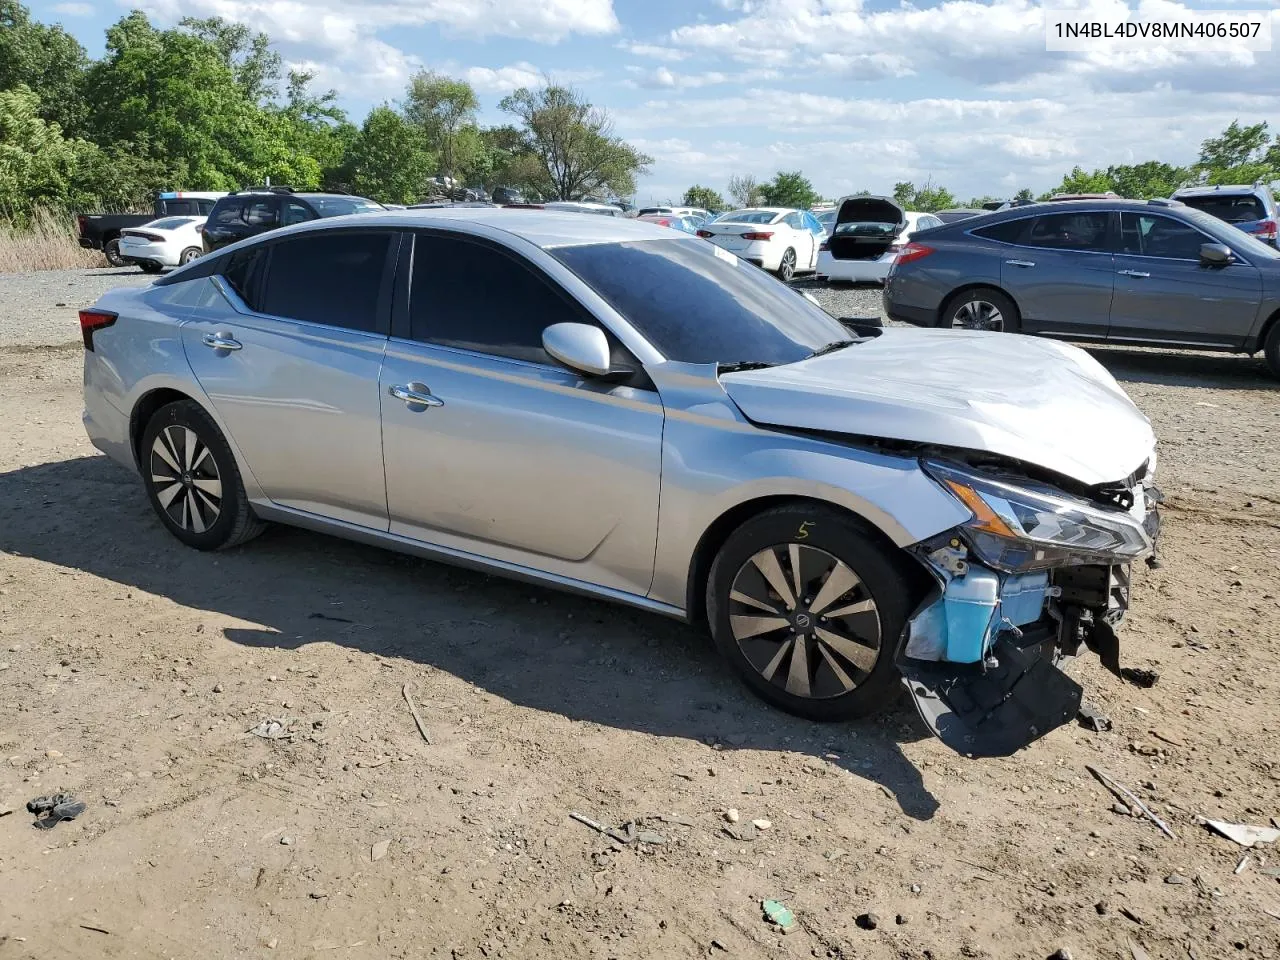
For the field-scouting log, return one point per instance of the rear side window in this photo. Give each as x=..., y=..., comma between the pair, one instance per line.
x=295, y=212
x=243, y=274
x=1069, y=231
x=1007, y=232
x=327, y=277
x=229, y=213
x=474, y=297
x=1233, y=209
x=261, y=213
x=793, y=221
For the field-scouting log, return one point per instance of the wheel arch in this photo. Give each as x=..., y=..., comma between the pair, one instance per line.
x=1267, y=326
x=146, y=407
x=966, y=288
x=720, y=529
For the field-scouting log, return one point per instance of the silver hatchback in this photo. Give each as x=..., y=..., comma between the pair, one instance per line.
x=599, y=405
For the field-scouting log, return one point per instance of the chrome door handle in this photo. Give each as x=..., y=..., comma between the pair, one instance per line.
x=218, y=342
x=1021, y=263
x=1133, y=273
x=420, y=396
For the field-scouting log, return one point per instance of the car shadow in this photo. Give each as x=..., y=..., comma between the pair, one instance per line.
x=577, y=657
x=1179, y=369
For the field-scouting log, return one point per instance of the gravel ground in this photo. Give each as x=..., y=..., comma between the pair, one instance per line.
x=843, y=300
x=39, y=309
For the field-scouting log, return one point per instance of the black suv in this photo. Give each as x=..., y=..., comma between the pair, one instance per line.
x=247, y=213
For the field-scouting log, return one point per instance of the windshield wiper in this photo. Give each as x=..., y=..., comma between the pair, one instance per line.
x=832, y=347
x=736, y=365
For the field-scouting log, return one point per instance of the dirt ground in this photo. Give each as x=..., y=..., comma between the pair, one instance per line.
x=131, y=669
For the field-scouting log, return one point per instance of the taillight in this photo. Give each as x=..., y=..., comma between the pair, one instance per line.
x=1266, y=230
x=756, y=236
x=80, y=222
x=705, y=234
x=825, y=245
x=910, y=251
x=92, y=319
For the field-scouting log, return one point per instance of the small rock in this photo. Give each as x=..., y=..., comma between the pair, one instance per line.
x=271, y=944
x=1176, y=879
x=1102, y=907
x=367, y=794
x=1062, y=953
x=217, y=688
x=761, y=824
x=902, y=920
x=286, y=841
x=1121, y=809
x=318, y=894
x=53, y=754
x=477, y=885
x=868, y=921
x=732, y=815
x=915, y=888
x=379, y=850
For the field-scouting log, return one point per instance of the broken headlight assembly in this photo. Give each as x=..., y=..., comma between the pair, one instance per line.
x=1022, y=527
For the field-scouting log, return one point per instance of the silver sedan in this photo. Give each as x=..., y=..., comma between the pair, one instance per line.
x=599, y=405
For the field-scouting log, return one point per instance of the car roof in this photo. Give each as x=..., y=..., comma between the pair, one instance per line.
x=1219, y=189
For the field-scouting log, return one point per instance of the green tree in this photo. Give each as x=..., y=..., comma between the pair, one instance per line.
x=1239, y=155
x=569, y=145
x=389, y=160
x=704, y=198
x=791, y=189
x=320, y=127
x=1145, y=181
x=1080, y=180
x=924, y=199
x=45, y=59
x=441, y=107
x=248, y=55
x=745, y=191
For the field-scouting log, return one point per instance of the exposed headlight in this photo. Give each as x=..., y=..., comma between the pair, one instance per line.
x=1024, y=527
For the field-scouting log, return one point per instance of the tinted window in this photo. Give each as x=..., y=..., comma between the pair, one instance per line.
x=178, y=207
x=243, y=273
x=205, y=207
x=1007, y=232
x=341, y=206
x=261, y=212
x=328, y=277
x=228, y=214
x=475, y=297
x=1069, y=231
x=1148, y=235
x=295, y=212
x=697, y=304
x=1233, y=209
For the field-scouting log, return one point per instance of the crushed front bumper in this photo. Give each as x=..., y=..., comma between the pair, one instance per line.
x=992, y=692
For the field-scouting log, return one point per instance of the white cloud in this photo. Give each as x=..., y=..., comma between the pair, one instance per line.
x=654, y=51
x=74, y=9
x=663, y=78
x=503, y=80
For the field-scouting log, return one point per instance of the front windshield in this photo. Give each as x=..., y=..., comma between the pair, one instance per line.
x=341, y=206
x=1249, y=245
x=747, y=216
x=698, y=304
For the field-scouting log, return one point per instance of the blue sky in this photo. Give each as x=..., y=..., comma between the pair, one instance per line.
x=857, y=94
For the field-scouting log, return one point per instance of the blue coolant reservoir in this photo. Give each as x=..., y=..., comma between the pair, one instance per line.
x=970, y=603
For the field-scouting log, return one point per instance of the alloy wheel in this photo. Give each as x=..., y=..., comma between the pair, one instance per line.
x=978, y=315
x=191, y=253
x=787, y=268
x=805, y=621
x=185, y=478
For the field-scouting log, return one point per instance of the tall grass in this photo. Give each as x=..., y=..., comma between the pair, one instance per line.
x=48, y=242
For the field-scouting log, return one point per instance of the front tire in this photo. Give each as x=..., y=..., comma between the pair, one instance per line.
x=808, y=607
x=1271, y=349
x=787, y=265
x=189, y=254
x=111, y=250
x=981, y=309
x=192, y=479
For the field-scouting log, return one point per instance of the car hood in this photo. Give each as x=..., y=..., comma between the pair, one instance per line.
x=1038, y=401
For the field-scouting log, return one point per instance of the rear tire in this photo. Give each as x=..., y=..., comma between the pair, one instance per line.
x=1271, y=349
x=150, y=266
x=983, y=308
x=787, y=265
x=192, y=479
x=189, y=254
x=827, y=651
x=111, y=250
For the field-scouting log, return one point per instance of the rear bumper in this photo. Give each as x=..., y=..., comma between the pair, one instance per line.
x=148, y=252
x=106, y=426
x=917, y=316
x=853, y=271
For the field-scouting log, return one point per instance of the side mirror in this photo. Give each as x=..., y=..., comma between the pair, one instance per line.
x=1216, y=254
x=579, y=346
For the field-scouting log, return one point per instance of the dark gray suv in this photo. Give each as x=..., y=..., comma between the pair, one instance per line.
x=1145, y=273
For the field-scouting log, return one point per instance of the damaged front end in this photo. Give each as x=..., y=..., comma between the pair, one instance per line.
x=1035, y=573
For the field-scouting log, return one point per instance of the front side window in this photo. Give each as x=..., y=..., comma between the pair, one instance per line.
x=1148, y=235
x=328, y=277
x=1085, y=231
x=697, y=304
x=472, y=296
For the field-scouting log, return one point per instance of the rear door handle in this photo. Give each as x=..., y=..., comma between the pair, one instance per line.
x=1133, y=273
x=220, y=342
x=1021, y=263
x=416, y=394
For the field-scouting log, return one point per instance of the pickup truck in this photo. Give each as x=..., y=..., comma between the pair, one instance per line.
x=101, y=231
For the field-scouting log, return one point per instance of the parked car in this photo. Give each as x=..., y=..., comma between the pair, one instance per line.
x=828, y=219
x=1147, y=273
x=867, y=236
x=956, y=214
x=781, y=240
x=247, y=213
x=697, y=213
x=683, y=224
x=168, y=242
x=101, y=231
x=607, y=407
x=507, y=195
x=1251, y=209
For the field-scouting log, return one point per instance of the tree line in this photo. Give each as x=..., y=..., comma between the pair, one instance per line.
x=1240, y=154
x=207, y=105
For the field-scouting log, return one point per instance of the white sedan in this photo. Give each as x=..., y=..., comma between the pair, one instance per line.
x=866, y=238
x=168, y=242
x=778, y=239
